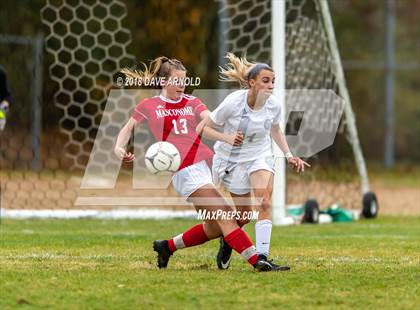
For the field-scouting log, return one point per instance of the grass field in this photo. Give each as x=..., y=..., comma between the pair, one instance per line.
x=95, y=264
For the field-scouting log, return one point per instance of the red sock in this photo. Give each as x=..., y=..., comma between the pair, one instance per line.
x=240, y=242
x=239, y=224
x=193, y=236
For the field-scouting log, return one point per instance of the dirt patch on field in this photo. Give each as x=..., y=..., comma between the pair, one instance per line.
x=397, y=200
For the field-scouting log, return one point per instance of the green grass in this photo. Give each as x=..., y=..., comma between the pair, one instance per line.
x=95, y=264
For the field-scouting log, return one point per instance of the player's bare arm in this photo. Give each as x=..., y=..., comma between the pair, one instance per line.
x=278, y=137
x=122, y=140
x=206, y=129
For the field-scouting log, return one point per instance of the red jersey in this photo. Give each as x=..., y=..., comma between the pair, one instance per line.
x=175, y=122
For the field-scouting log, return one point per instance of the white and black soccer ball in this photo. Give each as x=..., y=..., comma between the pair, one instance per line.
x=161, y=157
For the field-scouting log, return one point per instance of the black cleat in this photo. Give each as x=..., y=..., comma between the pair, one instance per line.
x=262, y=265
x=276, y=267
x=224, y=254
x=267, y=265
x=162, y=248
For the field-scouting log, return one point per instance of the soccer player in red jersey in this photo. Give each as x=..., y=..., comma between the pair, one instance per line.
x=173, y=116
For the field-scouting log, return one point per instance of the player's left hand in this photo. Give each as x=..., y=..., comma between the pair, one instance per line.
x=297, y=164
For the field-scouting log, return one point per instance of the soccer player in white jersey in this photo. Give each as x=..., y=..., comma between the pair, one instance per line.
x=244, y=159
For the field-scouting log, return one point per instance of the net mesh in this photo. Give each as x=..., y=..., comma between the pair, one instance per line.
x=88, y=43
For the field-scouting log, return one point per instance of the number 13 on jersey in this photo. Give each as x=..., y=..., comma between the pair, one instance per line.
x=182, y=125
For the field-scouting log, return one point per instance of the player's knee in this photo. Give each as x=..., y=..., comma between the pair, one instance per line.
x=243, y=222
x=226, y=221
x=212, y=229
x=265, y=203
x=227, y=224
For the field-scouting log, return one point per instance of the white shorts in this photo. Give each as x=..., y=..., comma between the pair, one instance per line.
x=187, y=180
x=235, y=176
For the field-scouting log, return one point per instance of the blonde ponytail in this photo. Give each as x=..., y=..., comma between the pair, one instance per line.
x=236, y=70
x=240, y=70
x=158, y=68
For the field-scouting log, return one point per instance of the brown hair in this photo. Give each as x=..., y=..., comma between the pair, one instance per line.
x=158, y=68
x=240, y=70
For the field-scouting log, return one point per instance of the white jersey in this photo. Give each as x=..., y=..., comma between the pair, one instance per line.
x=234, y=114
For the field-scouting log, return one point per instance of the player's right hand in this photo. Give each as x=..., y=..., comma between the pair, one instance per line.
x=235, y=139
x=122, y=154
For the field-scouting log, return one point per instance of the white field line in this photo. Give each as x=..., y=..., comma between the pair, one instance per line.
x=110, y=214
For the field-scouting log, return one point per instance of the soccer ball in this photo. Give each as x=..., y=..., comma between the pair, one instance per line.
x=162, y=157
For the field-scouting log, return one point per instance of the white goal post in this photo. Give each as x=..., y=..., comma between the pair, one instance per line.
x=278, y=39
x=278, y=17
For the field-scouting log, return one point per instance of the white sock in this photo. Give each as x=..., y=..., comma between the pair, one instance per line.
x=263, y=236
